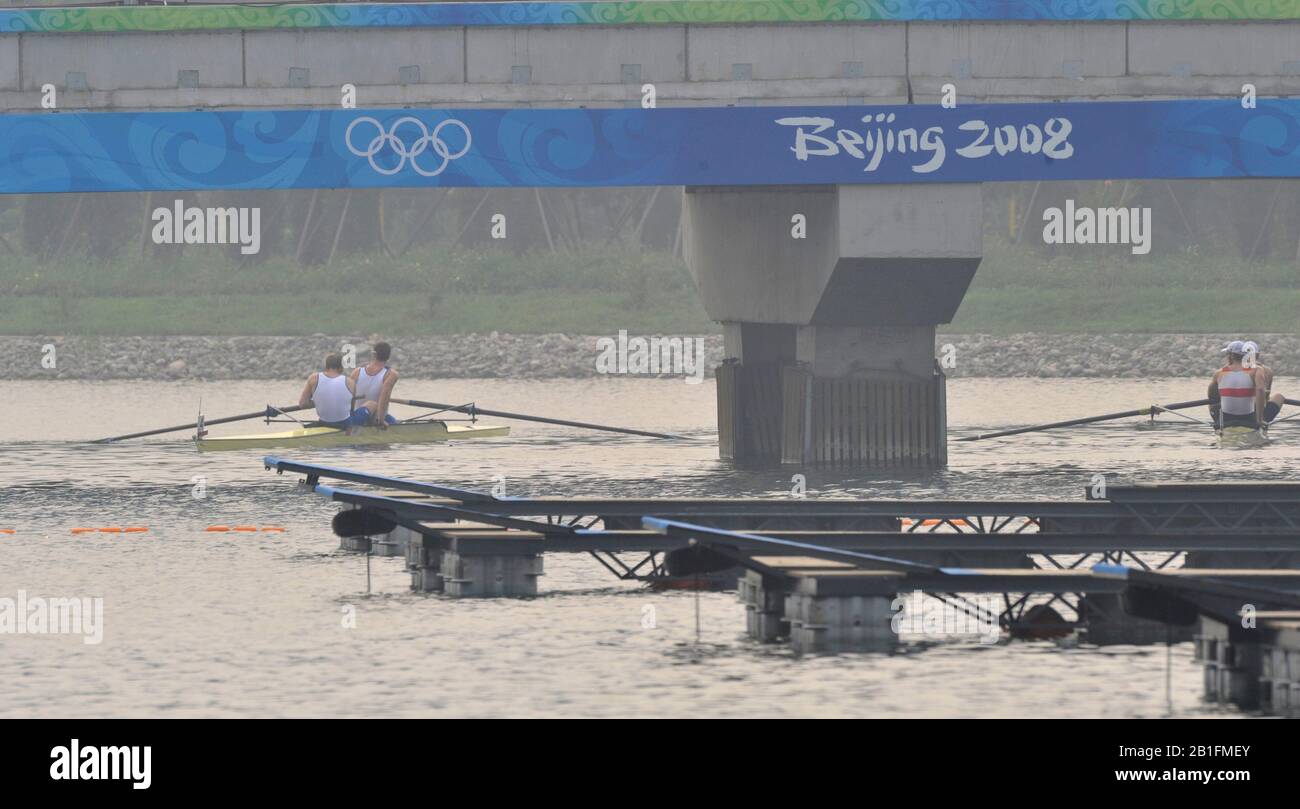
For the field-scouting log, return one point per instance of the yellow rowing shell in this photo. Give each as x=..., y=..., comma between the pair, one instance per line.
x=424, y=432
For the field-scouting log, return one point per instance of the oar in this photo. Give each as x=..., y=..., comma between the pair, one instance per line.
x=541, y=419
x=1144, y=411
x=266, y=412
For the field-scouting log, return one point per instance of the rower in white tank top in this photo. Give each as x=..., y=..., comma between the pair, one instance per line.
x=370, y=387
x=374, y=386
x=333, y=398
x=330, y=392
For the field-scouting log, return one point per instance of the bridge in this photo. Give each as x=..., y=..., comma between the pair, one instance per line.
x=832, y=197
x=741, y=52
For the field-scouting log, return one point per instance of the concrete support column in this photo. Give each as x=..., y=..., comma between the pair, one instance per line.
x=393, y=543
x=764, y=600
x=497, y=574
x=424, y=563
x=829, y=297
x=471, y=562
x=875, y=352
x=1232, y=667
x=475, y=565
x=815, y=616
x=1280, y=675
x=839, y=623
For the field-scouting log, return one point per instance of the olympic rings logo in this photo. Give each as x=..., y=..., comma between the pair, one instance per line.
x=427, y=141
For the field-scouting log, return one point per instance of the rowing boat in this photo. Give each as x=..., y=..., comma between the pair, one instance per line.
x=419, y=432
x=1241, y=438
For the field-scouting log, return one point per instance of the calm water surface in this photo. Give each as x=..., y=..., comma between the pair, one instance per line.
x=252, y=625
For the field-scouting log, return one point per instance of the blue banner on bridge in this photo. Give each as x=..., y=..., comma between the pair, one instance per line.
x=88, y=152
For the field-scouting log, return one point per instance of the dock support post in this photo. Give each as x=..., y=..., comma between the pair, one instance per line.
x=478, y=564
x=1279, y=679
x=1252, y=668
x=474, y=562
x=824, y=621
x=778, y=608
x=764, y=600
x=498, y=575
x=393, y=543
x=1232, y=668
x=424, y=562
x=841, y=623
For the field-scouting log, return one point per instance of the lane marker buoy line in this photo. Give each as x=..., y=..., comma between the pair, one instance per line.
x=244, y=529
x=144, y=529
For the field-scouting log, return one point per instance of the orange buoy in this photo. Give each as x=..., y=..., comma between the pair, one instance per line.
x=245, y=528
x=135, y=529
x=218, y=528
x=272, y=529
x=109, y=530
x=8, y=530
x=83, y=530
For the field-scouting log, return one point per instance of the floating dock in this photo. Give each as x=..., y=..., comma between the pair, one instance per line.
x=1214, y=563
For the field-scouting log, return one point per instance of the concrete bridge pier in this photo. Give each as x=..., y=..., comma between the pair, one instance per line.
x=829, y=297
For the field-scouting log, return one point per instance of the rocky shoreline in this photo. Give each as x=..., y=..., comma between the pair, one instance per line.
x=552, y=356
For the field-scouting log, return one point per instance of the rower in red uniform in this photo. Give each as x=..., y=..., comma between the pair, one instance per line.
x=1271, y=402
x=1235, y=398
x=1232, y=391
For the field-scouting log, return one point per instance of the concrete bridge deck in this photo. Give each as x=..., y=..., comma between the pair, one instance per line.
x=601, y=54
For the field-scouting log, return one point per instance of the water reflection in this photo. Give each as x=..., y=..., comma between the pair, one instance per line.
x=201, y=623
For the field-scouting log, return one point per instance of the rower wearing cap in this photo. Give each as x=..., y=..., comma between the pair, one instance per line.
x=1232, y=390
x=330, y=392
x=1268, y=404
